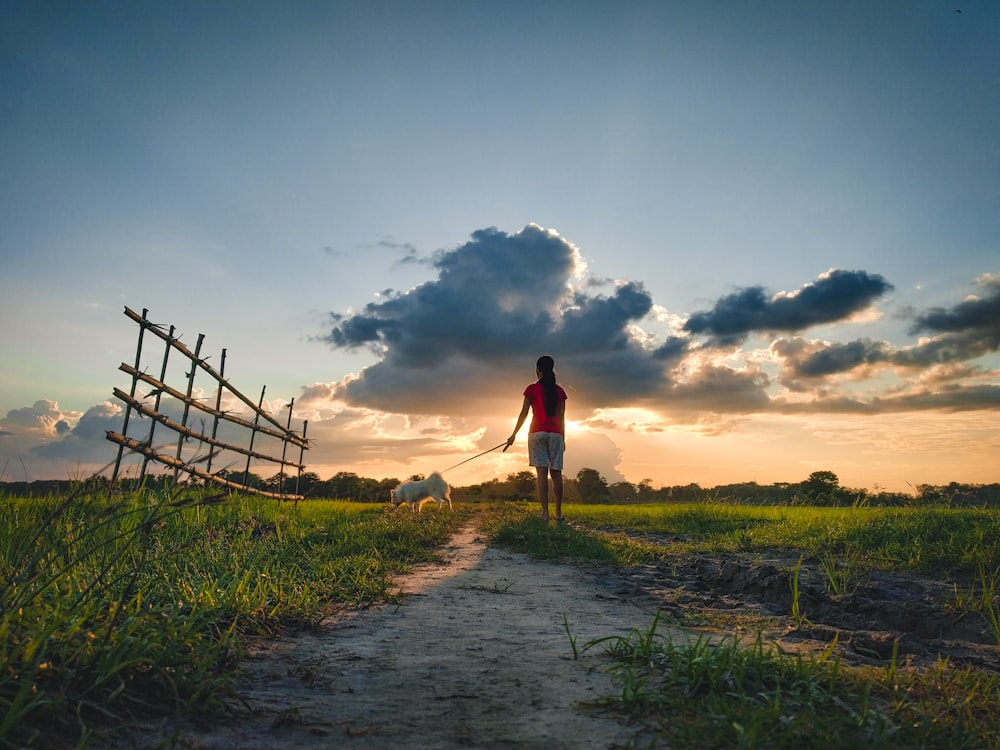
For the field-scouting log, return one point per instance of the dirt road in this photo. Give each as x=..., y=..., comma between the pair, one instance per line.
x=476, y=656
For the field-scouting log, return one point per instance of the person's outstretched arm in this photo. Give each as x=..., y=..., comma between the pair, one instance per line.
x=520, y=421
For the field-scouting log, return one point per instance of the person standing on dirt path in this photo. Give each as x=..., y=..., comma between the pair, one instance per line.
x=546, y=434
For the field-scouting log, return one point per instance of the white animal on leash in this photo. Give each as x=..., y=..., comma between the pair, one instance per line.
x=416, y=493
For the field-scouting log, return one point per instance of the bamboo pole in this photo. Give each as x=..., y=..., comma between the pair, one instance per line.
x=253, y=434
x=218, y=408
x=184, y=432
x=187, y=401
x=203, y=365
x=161, y=386
x=128, y=409
x=305, y=426
x=163, y=374
x=284, y=449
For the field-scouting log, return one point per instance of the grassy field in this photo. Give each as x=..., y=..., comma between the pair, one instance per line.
x=113, y=610
x=943, y=542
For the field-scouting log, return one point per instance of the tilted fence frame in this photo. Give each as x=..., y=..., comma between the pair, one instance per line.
x=273, y=428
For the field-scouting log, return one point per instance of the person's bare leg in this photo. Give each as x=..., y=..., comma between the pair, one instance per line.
x=557, y=491
x=543, y=490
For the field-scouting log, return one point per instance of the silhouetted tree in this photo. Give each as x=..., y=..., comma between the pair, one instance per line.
x=593, y=488
x=307, y=483
x=522, y=484
x=623, y=492
x=821, y=488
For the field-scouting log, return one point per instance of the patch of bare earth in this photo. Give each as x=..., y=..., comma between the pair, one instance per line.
x=876, y=615
x=477, y=653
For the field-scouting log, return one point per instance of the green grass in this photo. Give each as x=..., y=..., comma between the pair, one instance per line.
x=112, y=610
x=933, y=541
x=704, y=694
x=115, y=609
x=516, y=526
x=709, y=694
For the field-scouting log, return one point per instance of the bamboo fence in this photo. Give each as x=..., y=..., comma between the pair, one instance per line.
x=150, y=407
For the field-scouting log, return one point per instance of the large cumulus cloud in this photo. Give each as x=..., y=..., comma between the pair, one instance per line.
x=499, y=301
x=490, y=294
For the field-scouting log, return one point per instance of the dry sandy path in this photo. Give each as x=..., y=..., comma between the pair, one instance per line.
x=476, y=656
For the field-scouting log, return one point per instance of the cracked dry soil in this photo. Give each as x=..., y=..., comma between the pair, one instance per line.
x=478, y=654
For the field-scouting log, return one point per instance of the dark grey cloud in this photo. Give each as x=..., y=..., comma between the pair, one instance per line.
x=600, y=321
x=86, y=440
x=835, y=296
x=806, y=359
x=499, y=301
x=966, y=331
x=981, y=314
x=960, y=346
x=490, y=294
x=820, y=359
x=673, y=349
x=840, y=357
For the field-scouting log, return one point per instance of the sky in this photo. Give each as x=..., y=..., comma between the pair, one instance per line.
x=759, y=239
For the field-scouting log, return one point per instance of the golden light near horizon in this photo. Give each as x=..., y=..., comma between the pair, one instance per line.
x=833, y=322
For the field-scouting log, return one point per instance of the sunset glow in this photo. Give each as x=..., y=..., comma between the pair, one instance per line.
x=759, y=241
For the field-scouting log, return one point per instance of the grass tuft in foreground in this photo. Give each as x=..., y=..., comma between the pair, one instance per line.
x=706, y=694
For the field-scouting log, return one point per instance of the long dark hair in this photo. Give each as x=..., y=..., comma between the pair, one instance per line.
x=547, y=377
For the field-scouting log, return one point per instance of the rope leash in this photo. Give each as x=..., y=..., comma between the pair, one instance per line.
x=504, y=443
x=475, y=457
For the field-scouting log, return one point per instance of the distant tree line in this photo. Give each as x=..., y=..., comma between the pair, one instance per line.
x=821, y=488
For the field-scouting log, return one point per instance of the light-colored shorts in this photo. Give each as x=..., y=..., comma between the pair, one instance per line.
x=546, y=449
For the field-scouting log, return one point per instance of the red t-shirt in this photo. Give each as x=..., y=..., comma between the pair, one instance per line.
x=540, y=421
